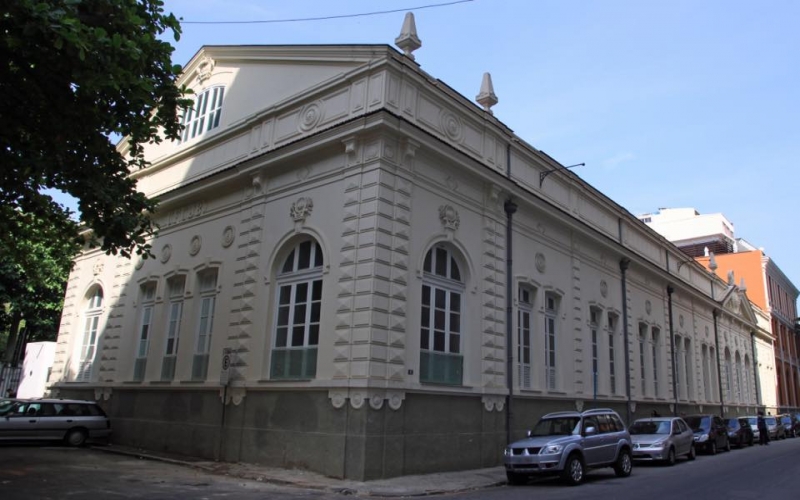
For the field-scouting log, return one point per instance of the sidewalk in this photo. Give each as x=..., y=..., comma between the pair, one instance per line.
x=405, y=486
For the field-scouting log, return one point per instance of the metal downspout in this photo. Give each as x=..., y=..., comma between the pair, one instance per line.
x=510, y=208
x=719, y=365
x=670, y=291
x=623, y=267
x=755, y=367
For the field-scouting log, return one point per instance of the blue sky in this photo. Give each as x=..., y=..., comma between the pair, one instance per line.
x=670, y=103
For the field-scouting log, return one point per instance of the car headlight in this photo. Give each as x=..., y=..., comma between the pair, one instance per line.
x=703, y=438
x=552, y=449
x=657, y=444
x=507, y=452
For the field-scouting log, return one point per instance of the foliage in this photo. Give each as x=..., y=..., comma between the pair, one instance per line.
x=74, y=74
x=34, y=266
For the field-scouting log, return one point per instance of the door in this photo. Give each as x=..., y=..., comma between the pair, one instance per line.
x=20, y=423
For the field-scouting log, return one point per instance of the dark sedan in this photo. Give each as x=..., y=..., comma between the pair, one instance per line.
x=739, y=432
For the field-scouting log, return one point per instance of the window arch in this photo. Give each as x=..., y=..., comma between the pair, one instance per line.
x=204, y=114
x=441, y=354
x=91, y=322
x=298, y=308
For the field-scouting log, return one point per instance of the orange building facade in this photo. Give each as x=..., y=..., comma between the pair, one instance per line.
x=770, y=289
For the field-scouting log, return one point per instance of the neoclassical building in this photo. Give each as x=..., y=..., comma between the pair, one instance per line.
x=360, y=271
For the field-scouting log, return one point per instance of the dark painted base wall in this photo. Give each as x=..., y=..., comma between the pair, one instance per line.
x=302, y=429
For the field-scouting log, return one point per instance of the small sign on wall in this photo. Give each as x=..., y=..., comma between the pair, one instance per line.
x=227, y=360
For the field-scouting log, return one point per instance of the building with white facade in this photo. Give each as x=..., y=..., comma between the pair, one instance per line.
x=376, y=268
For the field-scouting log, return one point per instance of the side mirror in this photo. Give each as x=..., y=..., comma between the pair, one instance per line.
x=528, y=433
x=591, y=431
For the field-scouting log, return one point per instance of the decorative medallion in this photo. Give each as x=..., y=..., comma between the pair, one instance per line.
x=194, y=246
x=603, y=288
x=452, y=183
x=648, y=307
x=310, y=116
x=451, y=126
x=301, y=209
x=395, y=400
x=579, y=404
x=449, y=217
x=540, y=261
x=338, y=399
x=98, y=267
x=139, y=263
x=166, y=253
x=228, y=235
x=376, y=401
x=680, y=320
x=357, y=400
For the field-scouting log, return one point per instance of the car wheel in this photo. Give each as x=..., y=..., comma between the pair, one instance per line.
x=712, y=448
x=670, y=457
x=515, y=479
x=573, y=470
x=692, y=453
x=624, y=464
x=75, y=437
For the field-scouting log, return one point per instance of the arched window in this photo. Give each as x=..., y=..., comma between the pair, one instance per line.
x=91, y=321
x=441, y=358
x=739, y=383
x=299, y=300
x=728, y=375
x=204, y=115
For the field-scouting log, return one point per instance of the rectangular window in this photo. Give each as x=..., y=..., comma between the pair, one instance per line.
x=524, y=337
x=706, y=374
x=656, y=354
x=176, y=286
x=550, y=328
x=205, y=323
x=594, y=320
x=88, y=347
x=441, y=361
x=147, y=297
x=612, y=368
x=642, y=344
x=297, y=330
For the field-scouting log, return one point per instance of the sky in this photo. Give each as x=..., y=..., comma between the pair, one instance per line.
x=669, y=103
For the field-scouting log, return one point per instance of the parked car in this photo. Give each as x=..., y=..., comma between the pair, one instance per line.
x=753, y=421
x=568, y=443
x=788, y=423
x=71, y=421
x=662, y=439
x=6, y=404
x=740, y=432
x=776, y=431
x=710, y=433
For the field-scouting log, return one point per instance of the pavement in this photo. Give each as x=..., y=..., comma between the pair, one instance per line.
x=404, y=486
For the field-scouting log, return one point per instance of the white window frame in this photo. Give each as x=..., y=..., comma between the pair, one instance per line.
x=551, y=307
x=147, y=298
x=612, y=322
x=655, y=339
x=176, y=288
x=525, y=336
x=90, y=337
x=207, y=284
x=203, y=115
x=291, y=359
x=643, y=329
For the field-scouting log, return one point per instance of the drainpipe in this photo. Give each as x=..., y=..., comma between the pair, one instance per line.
x=623, y=267
x=670, y=291
x=510, y=207
x=755, y=368
x=719, y=366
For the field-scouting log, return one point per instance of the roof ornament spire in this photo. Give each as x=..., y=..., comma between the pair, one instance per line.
x=486, y=97
x=408, y=41
x=712, y=262
x=742, y=285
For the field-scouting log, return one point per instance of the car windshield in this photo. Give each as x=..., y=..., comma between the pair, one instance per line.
x=733, y=424
x=786, y=420
x=771, y=421
x=753, y=421
x=650, y=427
x=699, y=423
x=6, y=405
x=561, y=426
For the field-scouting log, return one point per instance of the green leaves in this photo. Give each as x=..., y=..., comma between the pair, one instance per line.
x=73, y=74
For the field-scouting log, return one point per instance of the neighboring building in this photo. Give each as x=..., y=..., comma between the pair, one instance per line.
x=694, y=233
x=368, y=259
x=702, y=236
x=36, y=366
x=771, y=291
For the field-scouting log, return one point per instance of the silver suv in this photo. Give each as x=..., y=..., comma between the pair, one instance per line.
x=68, y=420
x=567, y=443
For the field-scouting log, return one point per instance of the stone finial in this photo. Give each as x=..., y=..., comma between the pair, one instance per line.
x=742, y=285
x=486, y=97
x=730, y=278
x=408, y=41
x=712, y=262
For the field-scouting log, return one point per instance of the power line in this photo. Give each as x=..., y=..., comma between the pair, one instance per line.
x=324, y=18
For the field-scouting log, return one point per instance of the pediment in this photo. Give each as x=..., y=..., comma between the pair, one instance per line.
x=736, y=302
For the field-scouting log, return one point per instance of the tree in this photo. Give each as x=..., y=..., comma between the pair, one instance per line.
x=73, y=75
x=34, y=266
